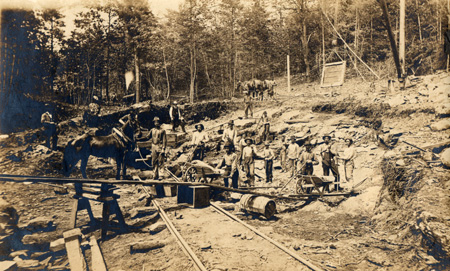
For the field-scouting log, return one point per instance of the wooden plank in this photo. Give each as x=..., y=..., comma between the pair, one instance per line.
x=98, y=263
x=76, y=259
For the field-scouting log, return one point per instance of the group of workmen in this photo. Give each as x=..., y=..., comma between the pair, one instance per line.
x=240, y=151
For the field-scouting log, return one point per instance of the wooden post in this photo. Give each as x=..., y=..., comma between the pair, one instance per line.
x=401, y=44
x=288, y=74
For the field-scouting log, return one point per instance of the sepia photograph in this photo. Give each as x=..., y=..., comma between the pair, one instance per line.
x=220, y=135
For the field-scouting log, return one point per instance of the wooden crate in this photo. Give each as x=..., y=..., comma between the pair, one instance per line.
x=170, y=190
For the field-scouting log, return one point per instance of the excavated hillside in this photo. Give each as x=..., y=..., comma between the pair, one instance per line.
x=397, y=219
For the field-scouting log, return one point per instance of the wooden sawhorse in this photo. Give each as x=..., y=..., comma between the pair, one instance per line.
x=104, y=195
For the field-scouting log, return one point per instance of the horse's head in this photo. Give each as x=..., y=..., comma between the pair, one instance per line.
x=129, y=128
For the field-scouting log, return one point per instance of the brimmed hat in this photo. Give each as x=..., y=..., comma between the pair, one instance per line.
x=325, y=136
x=156, y=119
x=231, y=122
x=248, y=139
x=293, y=138
x=175, y=102
x=199, y=125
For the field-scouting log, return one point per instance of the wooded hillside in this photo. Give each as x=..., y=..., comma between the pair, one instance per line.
x=203, y=49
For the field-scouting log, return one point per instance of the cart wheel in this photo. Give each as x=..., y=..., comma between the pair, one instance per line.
x=191, y=174
x=299, y=188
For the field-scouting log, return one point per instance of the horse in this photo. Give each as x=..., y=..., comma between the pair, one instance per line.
x=115, y=145
x=269, y=86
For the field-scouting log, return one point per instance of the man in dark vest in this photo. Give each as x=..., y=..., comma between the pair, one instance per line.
x=175, y=117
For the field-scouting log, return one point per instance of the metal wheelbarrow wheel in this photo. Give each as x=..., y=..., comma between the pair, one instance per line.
x=191, y=175
x=300, y=189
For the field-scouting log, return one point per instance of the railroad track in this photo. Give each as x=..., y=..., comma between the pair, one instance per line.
x=189, y=228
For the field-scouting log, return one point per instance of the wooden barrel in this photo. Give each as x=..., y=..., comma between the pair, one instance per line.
x=259, y=205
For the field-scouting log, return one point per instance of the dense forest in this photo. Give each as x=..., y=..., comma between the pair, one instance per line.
x=205, y=47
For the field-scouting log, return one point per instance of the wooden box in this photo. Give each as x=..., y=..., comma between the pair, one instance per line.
x=170, y=190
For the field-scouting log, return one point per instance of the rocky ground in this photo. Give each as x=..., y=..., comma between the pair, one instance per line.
x=399, y=219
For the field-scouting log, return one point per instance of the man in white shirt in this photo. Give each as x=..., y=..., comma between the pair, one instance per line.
x=348, y=155
x=199, y=138
x=248, y=161
x=229, y=134
x=292, y=154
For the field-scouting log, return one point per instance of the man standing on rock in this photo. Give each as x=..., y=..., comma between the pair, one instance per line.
x=327, y=152
x=199, y=138
x=348, y=155
x=176, y=118
x=292, y=154
x=229, y=163
x=263, y=127
x=50, y=131
x=159, y=142
x=268, y=161
x=307, y=160
x=248, y=161
x=229, y=135
x=248, y=104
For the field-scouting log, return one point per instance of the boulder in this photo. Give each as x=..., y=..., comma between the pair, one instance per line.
x=441, y=125
x=445, y=157
x=157, y=227
x=8, y=265
x=57, y=245
x=39, y=224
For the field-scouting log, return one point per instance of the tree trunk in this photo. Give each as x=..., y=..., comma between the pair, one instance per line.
x=192, y=73
x=108, y=56
x=137, y=77
x=167, y=76
x=305, y=49
x=391, y=36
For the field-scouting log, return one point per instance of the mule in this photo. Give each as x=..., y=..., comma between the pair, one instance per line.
x=113, y=145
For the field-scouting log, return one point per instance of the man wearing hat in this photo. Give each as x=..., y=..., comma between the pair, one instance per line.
x=327, y=152
x=229, y=162
x=159, y=142
x=175, y=117
x=348, y=155
x=292, y=154
x=248, y=161
x=229, y=134
x=248, y=104
x=263, y=126
x=307, y=160
x=268, y=161
x=199, y=138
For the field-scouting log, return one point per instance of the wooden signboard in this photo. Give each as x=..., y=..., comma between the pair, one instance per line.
x=333, y=74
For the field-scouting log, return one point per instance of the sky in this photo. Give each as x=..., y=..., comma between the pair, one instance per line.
x=159, y=7
x=69, y=8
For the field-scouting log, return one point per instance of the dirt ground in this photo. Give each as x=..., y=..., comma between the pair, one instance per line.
x=398, y=220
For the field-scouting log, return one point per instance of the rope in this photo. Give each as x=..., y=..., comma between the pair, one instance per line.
x=349, y=46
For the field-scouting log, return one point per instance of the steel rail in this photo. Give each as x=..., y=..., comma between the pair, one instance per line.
x=180, y=240
x=280, y=246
